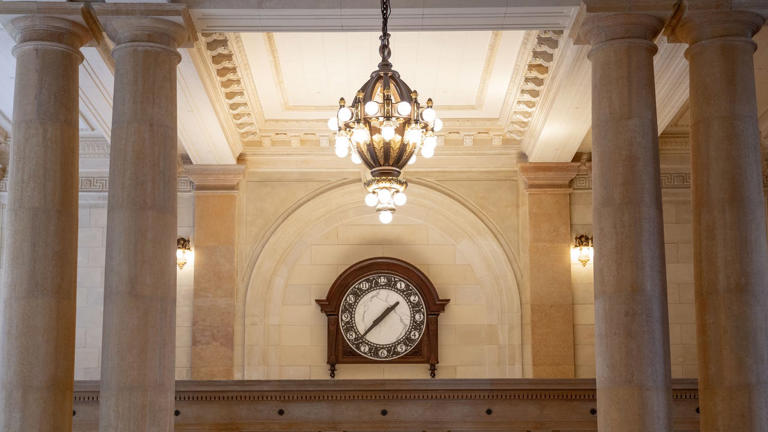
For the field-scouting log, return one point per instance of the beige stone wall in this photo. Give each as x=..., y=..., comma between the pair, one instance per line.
x=92, y=220
x=680, y=289
x=324, y=229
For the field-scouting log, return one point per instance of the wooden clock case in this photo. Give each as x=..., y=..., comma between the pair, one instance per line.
x=425, y=351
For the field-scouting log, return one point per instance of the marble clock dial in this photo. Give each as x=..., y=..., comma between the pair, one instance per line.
x=382, y=316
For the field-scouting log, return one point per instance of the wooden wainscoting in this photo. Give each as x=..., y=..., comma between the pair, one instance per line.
x=510, y=405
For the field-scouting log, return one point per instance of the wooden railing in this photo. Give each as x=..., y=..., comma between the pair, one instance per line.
x=534, y=405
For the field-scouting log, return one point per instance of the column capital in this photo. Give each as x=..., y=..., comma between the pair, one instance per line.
x=161, y=24
x=215, y=178
x=601, y=27
x=59, y=25
x=548, y=177
x=700, y=25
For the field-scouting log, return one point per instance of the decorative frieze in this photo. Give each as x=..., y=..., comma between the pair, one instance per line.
x=536, y=72
x=669, y=180
x=101, y=184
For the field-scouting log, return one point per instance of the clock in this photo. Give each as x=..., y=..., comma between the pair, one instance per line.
x=382, y=316
x=382, y=310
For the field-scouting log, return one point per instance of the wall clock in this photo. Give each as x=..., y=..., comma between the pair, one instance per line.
x=382, y=310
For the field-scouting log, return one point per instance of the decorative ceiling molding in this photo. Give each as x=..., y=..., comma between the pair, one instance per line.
x=669, y=180
x=539, y=63
x=228, y=73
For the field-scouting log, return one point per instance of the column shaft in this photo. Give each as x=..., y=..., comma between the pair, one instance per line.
x=38, y=288
x=729, y=232
x=631, y=323
x=138, y=349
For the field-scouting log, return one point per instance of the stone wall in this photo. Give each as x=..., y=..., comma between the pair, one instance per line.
x=324, y=229
x=90, y=287
x=678, y=248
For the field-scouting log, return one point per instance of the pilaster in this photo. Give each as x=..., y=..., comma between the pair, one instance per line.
x=215, y=247
x=549, y=272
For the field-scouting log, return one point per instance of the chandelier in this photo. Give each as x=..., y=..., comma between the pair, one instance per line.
x=384, y=128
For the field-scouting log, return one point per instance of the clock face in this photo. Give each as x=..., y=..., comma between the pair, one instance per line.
x=382, y=316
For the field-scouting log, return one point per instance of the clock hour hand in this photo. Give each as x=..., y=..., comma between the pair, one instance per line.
x=380, y=318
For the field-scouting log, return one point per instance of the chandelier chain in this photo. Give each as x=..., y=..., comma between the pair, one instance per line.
x=384, y=49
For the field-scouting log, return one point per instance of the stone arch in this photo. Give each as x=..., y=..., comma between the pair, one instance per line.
x=492, y=259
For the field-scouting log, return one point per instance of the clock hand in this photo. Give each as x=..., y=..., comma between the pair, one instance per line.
x=380, y=318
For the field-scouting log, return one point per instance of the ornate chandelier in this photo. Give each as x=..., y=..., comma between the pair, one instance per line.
x=384, y=128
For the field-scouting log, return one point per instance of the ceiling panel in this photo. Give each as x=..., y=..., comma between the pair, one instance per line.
x=302, y=75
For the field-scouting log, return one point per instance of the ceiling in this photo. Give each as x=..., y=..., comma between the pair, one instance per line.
x=302, y=75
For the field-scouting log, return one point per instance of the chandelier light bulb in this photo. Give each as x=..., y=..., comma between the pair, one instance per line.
x=371, y=199
x=360, y=135
x=372, y=108
x=413, y=135
x=356, y=159
x=345, y=114
x=400, y=199
x=384, y=195
x=333, y=124
x=385, y=216
x=341, y=140
x=342, y=150
x=430, y=141
x=427, y=152
x=428, y=115
x=412, y=160
x=403, y=108
x=438, y=125
x=388, y=131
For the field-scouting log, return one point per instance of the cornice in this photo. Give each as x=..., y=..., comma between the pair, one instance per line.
x=417, y=389
x=539, y=62
x=548, y=176
x=215, y=177
x=226, y=68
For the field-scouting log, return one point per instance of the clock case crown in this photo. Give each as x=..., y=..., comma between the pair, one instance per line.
x=425, y=351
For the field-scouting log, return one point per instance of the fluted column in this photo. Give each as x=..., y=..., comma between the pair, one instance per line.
x=729, y=238
x=138, y=349
x=38, y=287
x=631, y=324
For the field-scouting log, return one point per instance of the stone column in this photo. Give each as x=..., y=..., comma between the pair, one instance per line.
x=138, y=348
x=631, y=323
x=730, y=251
x=38, y=287
x=549, y=270
x=215, y=290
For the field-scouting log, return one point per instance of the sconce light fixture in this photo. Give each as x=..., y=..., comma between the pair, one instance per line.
x=582, y=250
x=183, y=252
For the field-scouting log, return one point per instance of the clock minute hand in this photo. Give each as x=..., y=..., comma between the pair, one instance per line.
x=380, y=318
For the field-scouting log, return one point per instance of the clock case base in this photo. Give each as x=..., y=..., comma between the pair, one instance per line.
x=339, y=351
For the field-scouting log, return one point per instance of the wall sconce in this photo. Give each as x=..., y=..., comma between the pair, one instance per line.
x=583, y=250
x=183, y=252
